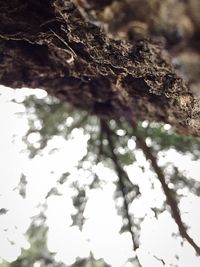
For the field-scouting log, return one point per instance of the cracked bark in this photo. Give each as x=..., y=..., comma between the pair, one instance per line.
x=58, y=46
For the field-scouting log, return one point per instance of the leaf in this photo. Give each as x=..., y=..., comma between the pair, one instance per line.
x=3, y=211
x=54, y=191
x=63, y=178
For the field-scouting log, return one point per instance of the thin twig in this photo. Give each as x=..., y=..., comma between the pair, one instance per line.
x=98, y=154
x=69, y=49
x=170, y=196
x=158, y=259
x=100, y=147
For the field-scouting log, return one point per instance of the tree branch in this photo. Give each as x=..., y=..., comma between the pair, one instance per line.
x=170, y=196
x=55, y=47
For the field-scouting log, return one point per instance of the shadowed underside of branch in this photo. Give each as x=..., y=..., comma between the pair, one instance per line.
x=53, y=45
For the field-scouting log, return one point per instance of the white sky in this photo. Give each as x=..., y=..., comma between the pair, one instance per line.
x=100, y=233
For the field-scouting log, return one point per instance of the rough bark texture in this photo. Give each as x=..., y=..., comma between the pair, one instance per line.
x=107, y=57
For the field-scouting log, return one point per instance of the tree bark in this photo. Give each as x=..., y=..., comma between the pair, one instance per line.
x=60, y=46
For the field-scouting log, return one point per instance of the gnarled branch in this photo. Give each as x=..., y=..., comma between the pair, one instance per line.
x=52, y=45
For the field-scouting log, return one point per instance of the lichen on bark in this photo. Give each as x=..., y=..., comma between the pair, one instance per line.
x=110, y=68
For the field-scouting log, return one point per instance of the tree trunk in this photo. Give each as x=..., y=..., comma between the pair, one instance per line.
x=76, y=52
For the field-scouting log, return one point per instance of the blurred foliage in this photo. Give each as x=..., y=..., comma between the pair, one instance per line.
x=90, y=262
x=164, y=138
x=38, y=251
x=48, y=117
